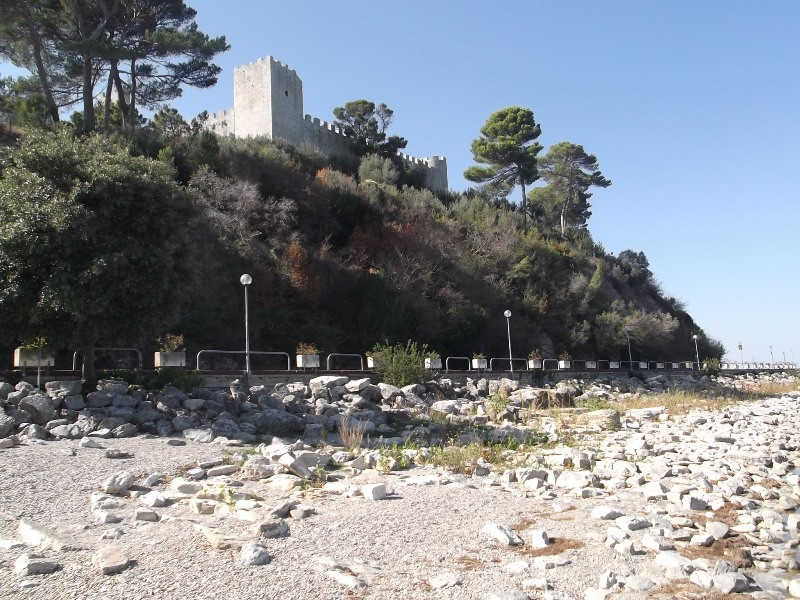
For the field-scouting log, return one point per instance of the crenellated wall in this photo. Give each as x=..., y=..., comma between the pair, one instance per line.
x=268, y=101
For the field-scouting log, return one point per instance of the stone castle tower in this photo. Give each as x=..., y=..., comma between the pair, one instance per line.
x=268, y=101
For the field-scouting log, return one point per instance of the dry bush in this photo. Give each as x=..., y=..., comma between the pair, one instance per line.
x=684, y=590
x=558, y=546
x=352, y=433
x=468, y=563
x=732, y=549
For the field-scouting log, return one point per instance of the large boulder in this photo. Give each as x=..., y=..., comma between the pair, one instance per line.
x=327, y=381
x=62, y=389
x=112, y=386
x=5, y=390
x=6, y=424
x=276, y=422
x=39, y=406
x=389, y=392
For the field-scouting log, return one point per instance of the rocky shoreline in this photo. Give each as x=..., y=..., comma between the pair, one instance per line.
x=632, y=504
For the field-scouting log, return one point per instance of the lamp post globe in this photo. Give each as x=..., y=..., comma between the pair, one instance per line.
x=695, y=337
x=246, y=280
x=507, y=315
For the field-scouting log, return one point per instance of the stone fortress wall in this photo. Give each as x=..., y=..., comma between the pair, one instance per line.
x=268, y=101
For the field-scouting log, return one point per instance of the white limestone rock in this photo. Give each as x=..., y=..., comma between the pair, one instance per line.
x=153, y=499
x=118, y=483
x=539, y=538
x=110, y=560
x=656, y=542
x=730, y=582
x=374, y=491
x=504, y=535
x=606, y=513
x=145, y=514
x=28, y=564
x=254, y=554
x=701, y=578
x=445, y=580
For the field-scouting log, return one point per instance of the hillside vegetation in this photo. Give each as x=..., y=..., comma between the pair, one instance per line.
x=346, y=259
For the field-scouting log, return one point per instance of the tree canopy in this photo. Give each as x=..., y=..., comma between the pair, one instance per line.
x=94, y=243
x=569, y=172
x=366, y=123
x=508, y=146
x=72, y=47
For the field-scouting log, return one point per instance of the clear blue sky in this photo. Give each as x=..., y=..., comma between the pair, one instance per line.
x=692, y=109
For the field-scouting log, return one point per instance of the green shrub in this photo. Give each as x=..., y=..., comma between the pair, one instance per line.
x=378, y=169
x=399, y=364
x=711, y=366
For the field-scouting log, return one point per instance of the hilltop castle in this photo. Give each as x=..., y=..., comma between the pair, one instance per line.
x=268, y=101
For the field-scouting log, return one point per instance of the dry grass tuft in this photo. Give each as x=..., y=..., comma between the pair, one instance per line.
x=684, y=590
x=558, y=546
x=678, y=402
x=352, y=433
x=468, y=563
x=732, y=549
x=728, y=514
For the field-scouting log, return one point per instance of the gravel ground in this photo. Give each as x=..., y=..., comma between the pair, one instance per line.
x=416, y=533
x=395, y=545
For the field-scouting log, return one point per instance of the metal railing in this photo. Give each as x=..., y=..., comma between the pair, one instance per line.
x=510, y=361
x=449, y=358
x=358, y=356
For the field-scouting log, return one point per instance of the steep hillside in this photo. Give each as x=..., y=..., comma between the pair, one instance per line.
x=348, y=257
x=346, y=264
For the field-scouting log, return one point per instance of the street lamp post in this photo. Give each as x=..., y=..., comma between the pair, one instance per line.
x=507, y=315
x=628, y=337
x=741, y=354
x=246, y=280
x=771, y=355
x=696, y=351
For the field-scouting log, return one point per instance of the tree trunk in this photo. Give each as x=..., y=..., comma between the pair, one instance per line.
x=524, y=205
x=123, y=103
x=132, y=107
x=107, y=103
x=89, y=122
x=36, y=40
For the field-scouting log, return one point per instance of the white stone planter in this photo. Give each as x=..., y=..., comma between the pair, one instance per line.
x=660, y=365
x=591, y=364
x=169, y=359
x=307, y=361
x=535, y=363
x=676, y=365
x=642, y=365
x=688, y=365
x=479, y=363
x=29, y=357
x=565, y=364
x=371, y=362
x=433, y=363
x=614, y=364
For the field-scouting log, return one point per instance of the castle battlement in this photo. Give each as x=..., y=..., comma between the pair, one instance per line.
x=268, y=101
